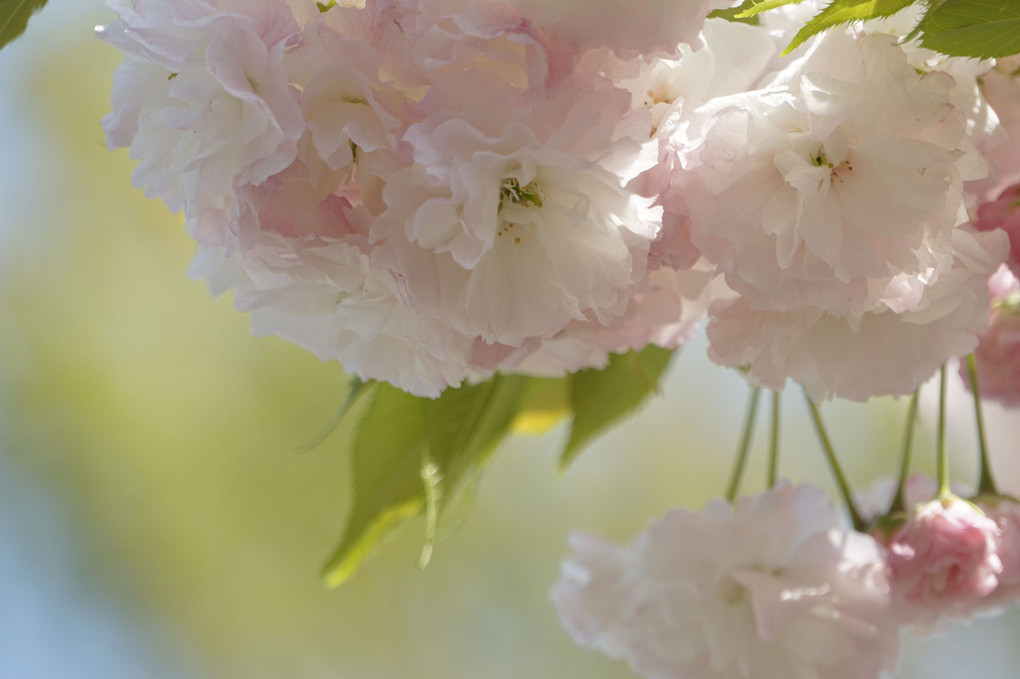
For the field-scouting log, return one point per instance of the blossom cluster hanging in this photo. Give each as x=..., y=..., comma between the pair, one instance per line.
x=432, y=191
x=439, y=192
x=771, y=586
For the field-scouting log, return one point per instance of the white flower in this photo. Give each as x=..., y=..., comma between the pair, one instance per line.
x=348, y=110
x=629, y=27
x=824, y=186
x=203, y=100
x=665, y=311
x=765, y=589
x=733, y=59
x=510, y=228
x=593, y=592
x=885, y=352
x=329, y=297
x=1000, y=87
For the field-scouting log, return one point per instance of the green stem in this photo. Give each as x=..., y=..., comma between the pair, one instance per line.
x=899, y=503
x=941, y=451
x=774, y=442
x=745, y=445
x=986, y=484
x=837, y=471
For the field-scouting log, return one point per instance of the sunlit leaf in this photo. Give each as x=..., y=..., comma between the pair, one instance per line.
x=410, y=456
x=386, y=462
x=357, y=390
x=731, y=14
x=546, y=403
x=845, y=11
x=973, y=28
x=14, y=15
x=751, y=8
x=465, y=424
x=602, y=398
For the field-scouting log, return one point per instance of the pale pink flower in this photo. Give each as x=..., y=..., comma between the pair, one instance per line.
x=631, y=28
x=942, y=562
x=765, y=588
x=997, y=356
x=515, y=220
x=454, y=36
x=330, y=297
x=983, y=125
x=835, y=356
x=840, y=175
x=733, y=59
x=348, y=110
x=1000, y=87
x=203, y=101
x=664, y=311
x=421, y=40
x=593, y=593
x=1006, y=514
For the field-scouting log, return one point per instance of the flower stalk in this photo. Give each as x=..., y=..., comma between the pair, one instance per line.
x=774, y=441
x=837, y=470
x=745, y=444
x=899, y=503
x=941, y=452
x=986, y=482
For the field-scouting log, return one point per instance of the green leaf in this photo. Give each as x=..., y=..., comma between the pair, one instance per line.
x=546, y=403
x=465, y=424
x=14, y=16
x=357, y=391
x=845, y=11
x=973, y=28
x=731, y=14
x=411, y=455
x=463, y=428
x=386, y=464
x=751, y=8
x=602, y=398
x=326, y=6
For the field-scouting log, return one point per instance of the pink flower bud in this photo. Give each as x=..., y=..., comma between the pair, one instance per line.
x=942, y=562
x=1004, y=213
x=1006, y=514
x=997, y=357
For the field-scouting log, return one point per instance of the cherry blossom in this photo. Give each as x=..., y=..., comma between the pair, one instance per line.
x=923, y=322
x=997, y=356
x=942, y=562
x=822, y=188
x=765, y=588
x=1005, y=512
x=517, y=223
x=1004, y=213
x=203, y=101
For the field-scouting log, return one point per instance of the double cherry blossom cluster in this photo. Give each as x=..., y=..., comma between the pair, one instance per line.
x=431, y=191
x=770, y=586
x=434, y=191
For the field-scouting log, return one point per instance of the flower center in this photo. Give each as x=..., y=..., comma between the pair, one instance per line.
x=836, y=172
x=731, y=592
x=512, y=192
x=515, y=202
x=818, y=158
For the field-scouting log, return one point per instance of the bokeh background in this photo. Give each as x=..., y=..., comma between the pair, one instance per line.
x=158, y=522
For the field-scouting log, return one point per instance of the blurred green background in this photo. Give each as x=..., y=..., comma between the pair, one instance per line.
x=156, y=519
